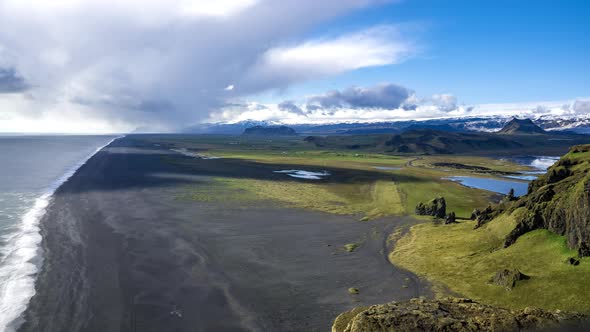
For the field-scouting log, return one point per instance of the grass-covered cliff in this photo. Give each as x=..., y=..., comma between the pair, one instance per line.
x=559, y=201
x=539, y=234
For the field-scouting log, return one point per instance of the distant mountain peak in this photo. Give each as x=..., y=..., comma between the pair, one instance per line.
x=270, y=131
x=521, y=126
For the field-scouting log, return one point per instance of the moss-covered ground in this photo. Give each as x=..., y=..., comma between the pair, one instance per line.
x=462, y=260
x=412, y=179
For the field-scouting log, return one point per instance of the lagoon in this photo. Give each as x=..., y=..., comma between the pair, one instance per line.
x=490, y=184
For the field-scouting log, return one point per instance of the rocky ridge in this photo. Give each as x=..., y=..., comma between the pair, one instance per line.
x=449, y=314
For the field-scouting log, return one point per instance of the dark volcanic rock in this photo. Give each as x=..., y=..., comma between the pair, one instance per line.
x=450, y=218
x=584, y=250
x=449, y=315
x=559, y=201
x=573, y=261
x=508, y=278
x=436, y=208
x=510, y=196
x=486, y=215
x=270, y=131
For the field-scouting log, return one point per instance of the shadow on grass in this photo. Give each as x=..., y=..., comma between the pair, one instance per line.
x=134, y=163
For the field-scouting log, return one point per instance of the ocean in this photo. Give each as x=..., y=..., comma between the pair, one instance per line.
x=31, y=169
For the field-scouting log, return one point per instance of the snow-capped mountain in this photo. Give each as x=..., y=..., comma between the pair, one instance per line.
x=577, y=124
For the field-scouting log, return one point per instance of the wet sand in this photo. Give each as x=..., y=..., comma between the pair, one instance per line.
x=125, y=252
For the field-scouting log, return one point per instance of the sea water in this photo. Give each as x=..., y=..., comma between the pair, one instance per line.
x=31, y=169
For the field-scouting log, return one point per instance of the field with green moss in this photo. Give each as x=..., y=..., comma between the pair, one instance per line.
x=367, y=189
x=459, y=259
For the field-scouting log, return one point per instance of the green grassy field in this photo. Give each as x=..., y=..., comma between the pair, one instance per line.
x=462, y=260
x=369, y=200
x=415, y=181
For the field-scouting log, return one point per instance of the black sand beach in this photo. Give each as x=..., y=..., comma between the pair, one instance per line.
x=125, y=252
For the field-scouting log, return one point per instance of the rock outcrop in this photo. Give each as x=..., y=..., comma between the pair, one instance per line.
x=436, y=207
x=508, y=278
x=449, y=315
x=450, y=218
x=486, y=215
x=559, y=201
x=510, y=196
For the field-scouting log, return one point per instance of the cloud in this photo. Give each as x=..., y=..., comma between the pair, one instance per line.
x=444, y=102
x=289, y=106
x=383, y=96
x=229, y=87
x=377, y=46
x=392, y=102
x=118, y=60
x=11, y=82
x=581, y=106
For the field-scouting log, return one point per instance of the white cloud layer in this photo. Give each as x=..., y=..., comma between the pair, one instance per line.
x=125, y=64
x=323, y=57
x=390, y=102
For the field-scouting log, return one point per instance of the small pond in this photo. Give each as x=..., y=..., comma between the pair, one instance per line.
x=301, y=174
x=387, y=168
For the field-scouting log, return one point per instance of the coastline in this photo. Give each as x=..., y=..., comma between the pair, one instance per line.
x=124, y=253
x=24, y=259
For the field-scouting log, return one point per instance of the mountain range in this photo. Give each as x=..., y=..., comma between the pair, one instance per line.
x=577, y=124
x=517, y=136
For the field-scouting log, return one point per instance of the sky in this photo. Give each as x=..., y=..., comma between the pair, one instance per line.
x=80, y=66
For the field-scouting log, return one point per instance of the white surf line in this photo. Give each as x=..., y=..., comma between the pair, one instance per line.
x=22, y=256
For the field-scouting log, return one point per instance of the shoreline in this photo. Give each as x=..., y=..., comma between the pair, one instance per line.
x=26, y=252
x=135, y=257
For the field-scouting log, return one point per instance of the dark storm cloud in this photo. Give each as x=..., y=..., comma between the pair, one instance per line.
x=120, y=59
x=11, y=81
x=312, y=107
x=289, y=106
x=383, y=96
x=155, y=106
x=409, y=106
x=125, y=102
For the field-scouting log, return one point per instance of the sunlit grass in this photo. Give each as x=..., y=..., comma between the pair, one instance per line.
x=463, y=260
x=370, y=200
